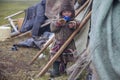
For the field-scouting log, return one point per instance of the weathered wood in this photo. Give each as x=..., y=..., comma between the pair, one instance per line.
x=82, y=7
x=12, y=21
x=82, y=62
x=16, y=35
x=12, y=24
x=19, y=23
x=45, y=46
x=64, y=45
x=82, y=69
x=13, y=34
x=14, y=14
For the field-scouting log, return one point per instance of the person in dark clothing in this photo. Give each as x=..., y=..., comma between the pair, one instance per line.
x=40, y=18
x=79, y=3
x=34, y=18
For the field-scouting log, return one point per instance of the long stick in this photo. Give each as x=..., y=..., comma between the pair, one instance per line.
x=84, y=67
x=36, y=56
x=82, y=7
x=64, y=45
x=22, y=34
x=14, y=14
x=83, y=58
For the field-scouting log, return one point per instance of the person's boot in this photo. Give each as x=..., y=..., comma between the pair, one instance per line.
x=55, y=72
x=63, y=68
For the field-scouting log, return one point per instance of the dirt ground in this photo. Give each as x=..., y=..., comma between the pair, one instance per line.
x=14, y=64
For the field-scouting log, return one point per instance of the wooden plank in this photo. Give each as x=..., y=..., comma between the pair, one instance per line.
x=45, y=46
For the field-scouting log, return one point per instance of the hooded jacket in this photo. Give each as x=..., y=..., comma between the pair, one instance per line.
x=62, y=33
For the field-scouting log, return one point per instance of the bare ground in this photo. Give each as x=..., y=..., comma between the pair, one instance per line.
x=14, y=64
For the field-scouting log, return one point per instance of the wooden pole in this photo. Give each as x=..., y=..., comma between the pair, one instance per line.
x=37, y=55
x=64, y=45
x=14, y=14
x=20, y=34
x=82, y=7
x=16, y=35
x=79, y=66
x=84, y=67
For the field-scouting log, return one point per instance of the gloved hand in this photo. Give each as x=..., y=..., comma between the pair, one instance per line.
x=72, y=25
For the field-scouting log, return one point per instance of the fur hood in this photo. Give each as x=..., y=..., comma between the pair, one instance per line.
x=67, y=5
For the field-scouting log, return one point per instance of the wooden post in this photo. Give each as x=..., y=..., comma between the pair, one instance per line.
x=16, y=35
x=12, y=21
x=64, y=45
x=82, y=7
x=37, y=55
x=76, y=69
x=14, y=14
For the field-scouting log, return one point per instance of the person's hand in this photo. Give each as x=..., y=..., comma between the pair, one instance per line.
x=60, y=22
x=72, y=24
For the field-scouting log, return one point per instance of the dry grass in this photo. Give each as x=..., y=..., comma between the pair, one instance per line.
x=8, y=7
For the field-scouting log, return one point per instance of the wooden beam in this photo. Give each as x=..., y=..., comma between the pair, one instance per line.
x=45, y=46
x=82, y=7
x=14, y=14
